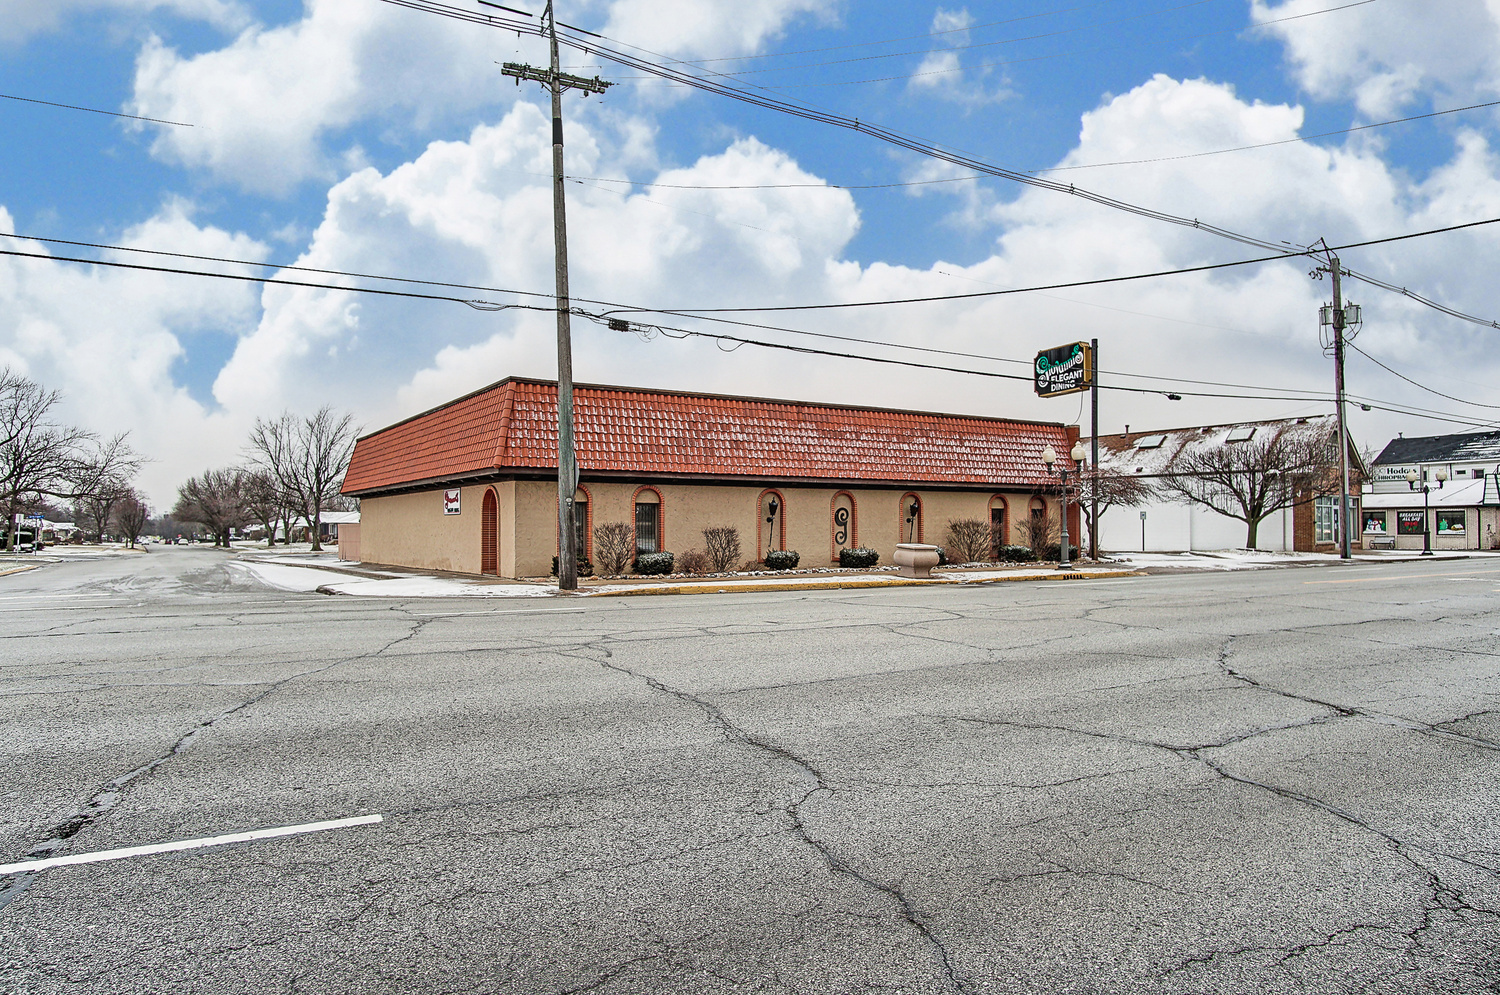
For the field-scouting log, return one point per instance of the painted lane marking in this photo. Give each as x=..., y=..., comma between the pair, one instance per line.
x=67, y=608
x=519, y=611
x=1367, y=580
x=141, y=851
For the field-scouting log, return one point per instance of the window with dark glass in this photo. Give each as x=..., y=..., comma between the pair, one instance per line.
x=1450, y=523
x=647, y=528
x=1375, y=522
x=1409, y=523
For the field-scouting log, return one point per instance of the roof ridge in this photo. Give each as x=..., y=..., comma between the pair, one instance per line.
x=502, y=426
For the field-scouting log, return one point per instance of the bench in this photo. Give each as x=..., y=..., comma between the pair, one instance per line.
x=1380, y=542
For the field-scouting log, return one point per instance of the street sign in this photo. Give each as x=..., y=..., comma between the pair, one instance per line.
x=451, y=501
x=1066, y=369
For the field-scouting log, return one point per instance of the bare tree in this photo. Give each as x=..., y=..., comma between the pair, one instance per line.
x=722, y=543
x=307, y=457
x=95, y=509
x=1041, y=530
x=968, y=540
x=131, y=515
x=1115, y=489
x=40, y=458
x=614, y=545
x=265, y=502
x=214, y=499
x=1251, y=479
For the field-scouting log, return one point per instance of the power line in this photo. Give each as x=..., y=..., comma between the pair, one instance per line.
x=93, y=110
x=1414, y=383
x=1282, y=394
x=1037, y=58
x=1266, y=145
x=690, y=312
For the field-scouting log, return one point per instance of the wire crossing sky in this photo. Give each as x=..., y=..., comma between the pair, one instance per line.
x=301, y=144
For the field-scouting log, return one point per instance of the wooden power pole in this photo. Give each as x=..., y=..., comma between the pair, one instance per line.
x=556, y=82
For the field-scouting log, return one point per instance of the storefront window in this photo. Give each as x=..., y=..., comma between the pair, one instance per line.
x=1450, y=523
x=1409, y=523
x=1375, y=522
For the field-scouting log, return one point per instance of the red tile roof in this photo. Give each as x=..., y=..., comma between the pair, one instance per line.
x=512, y=425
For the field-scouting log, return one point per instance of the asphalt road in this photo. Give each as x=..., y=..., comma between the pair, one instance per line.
x=1280, y=781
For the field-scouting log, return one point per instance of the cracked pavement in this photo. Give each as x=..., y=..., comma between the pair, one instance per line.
x=1238, y=782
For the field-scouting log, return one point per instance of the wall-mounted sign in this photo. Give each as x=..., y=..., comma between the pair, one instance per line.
x=1409, y=523
x=1391, y=472
x=451, y=501
x=1064, y=370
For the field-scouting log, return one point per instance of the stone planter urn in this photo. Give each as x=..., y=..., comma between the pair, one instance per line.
x=915, y=559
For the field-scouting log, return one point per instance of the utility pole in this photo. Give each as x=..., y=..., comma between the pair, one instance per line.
x=1339, y=318
x=556, y=82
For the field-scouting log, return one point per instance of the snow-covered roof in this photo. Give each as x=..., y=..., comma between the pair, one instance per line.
x=1465, y=494
x=1471, y=447
x=1154, y=452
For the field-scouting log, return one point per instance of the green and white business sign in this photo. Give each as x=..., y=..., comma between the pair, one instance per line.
x=1066, y=369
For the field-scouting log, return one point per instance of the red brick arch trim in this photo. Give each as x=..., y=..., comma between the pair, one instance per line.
x=661, y=513
x=833, y=527
x=489, y=533
x=760, y=522
x=588, y=525
x=906, y=501
x=999, y=501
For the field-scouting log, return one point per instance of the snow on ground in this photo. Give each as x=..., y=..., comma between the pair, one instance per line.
x=297, y=578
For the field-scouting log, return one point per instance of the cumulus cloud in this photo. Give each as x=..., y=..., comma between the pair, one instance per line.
x=749, y=226
x=941, y=71
x=687, y=29
x=1387, y=56
x=21, y=19
x=110, y=339
x=479, y=210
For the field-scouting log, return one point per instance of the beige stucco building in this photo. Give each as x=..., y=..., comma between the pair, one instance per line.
x=471, y=486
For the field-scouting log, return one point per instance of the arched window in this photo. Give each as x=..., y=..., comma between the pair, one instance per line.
x=844, y=524
x=999, y=525
x=489, y=534
x=649, y=532
x=911, y=518
x=770, y=530
x=583, y=522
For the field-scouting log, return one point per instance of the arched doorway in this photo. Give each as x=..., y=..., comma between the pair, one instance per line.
x=844, y=524
x=770, y=533
x=489, y=535
x=911, y=519
x=999, y=525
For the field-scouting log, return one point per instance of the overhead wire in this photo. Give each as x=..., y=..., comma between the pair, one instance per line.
x=582, y=40
x=93, y=110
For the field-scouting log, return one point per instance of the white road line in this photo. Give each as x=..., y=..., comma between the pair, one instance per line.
x=530, y=611
x=141, y=851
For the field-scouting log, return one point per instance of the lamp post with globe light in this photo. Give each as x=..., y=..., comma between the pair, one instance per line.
x=1049, y=457
x=1411, y=483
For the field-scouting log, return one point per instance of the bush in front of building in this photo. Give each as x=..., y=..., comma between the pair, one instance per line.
x=614, y=545
x=1017, y=554
x=694, y=561
x=859, y=558
x=1054, y=552
x=653, y=563
x=722, y=545
x=585, y=568
x=967, y=540
x=782, y=559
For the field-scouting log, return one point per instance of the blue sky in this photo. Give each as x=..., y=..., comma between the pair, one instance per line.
x=355, y=135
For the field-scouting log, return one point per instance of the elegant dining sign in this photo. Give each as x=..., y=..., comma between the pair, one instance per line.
x=1066, y=369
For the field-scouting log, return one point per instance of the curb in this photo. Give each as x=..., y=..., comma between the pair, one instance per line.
x=832, y=585
x=18, y=570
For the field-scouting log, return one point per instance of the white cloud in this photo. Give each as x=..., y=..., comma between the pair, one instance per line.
x=687, y=29
x=941, y=72
x=109, y=340
x=1390, y=55
x=470, y=210
x=21, y=19
x=478, y=212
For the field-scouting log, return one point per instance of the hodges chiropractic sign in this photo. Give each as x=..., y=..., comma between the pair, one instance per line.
x=1066, y=369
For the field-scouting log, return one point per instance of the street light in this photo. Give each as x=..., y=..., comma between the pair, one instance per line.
x=771, y=507
x=1411, y=483
x=1049, y=456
